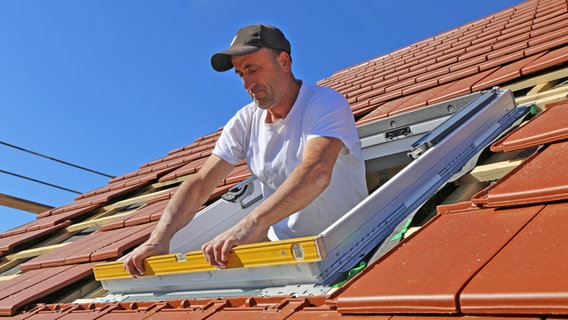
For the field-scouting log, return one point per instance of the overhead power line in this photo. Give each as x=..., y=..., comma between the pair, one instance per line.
x=57, y=160
x=39, y=181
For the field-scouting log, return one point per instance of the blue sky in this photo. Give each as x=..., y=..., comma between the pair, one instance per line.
x=113, y=84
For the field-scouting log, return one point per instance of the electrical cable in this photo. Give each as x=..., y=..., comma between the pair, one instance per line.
x=39, y=181
x=57, y=160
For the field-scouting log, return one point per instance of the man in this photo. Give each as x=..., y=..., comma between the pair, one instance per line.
x=299, y=140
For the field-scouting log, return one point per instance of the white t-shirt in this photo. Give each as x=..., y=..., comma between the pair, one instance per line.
x=273, y=151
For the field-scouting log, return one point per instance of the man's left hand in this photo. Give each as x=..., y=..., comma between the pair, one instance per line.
x=217, y=251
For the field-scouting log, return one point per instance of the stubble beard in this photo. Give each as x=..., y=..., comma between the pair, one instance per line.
x=263, y=103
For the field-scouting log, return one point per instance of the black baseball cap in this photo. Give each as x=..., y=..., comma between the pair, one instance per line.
x=247, y=40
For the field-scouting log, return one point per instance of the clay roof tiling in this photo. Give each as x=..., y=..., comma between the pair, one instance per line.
x=500, y=254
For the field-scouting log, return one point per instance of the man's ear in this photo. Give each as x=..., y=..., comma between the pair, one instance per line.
x=285, y=61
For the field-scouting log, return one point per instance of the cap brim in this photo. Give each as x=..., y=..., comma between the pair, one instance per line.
x=221, y=61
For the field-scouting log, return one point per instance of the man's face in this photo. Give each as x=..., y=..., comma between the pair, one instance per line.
x=261, y=74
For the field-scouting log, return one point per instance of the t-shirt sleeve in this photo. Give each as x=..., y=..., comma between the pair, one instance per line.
x=231, y=143
x=331, y=116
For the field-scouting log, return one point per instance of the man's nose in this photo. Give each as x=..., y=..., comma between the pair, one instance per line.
x=248, y=82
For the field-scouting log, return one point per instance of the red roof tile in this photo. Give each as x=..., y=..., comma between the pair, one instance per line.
x=508, y=36
x=502, y=74
x=547, y=127
x=549, y=24
x=150, y=212
x=36, y=284
x=451, y=266
x=189, y=168
x=238, y=174
x=41, y=223
x=529, y=275
x=383, y=110
x=79, y=205
x=458, y=88
x=247, y=308
x=8, y=244
x=538, y=180
x=100, y=245
x=90, y=312
x=423, y=274
x=420, y=99
x=552, y=58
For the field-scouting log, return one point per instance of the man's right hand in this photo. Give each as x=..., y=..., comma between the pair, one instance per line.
x=179, y=211
x=134, y=261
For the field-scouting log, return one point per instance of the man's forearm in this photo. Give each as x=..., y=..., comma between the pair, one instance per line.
x=189, y=197
x=179, y=211
x=305, y=183
x=303, y=186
